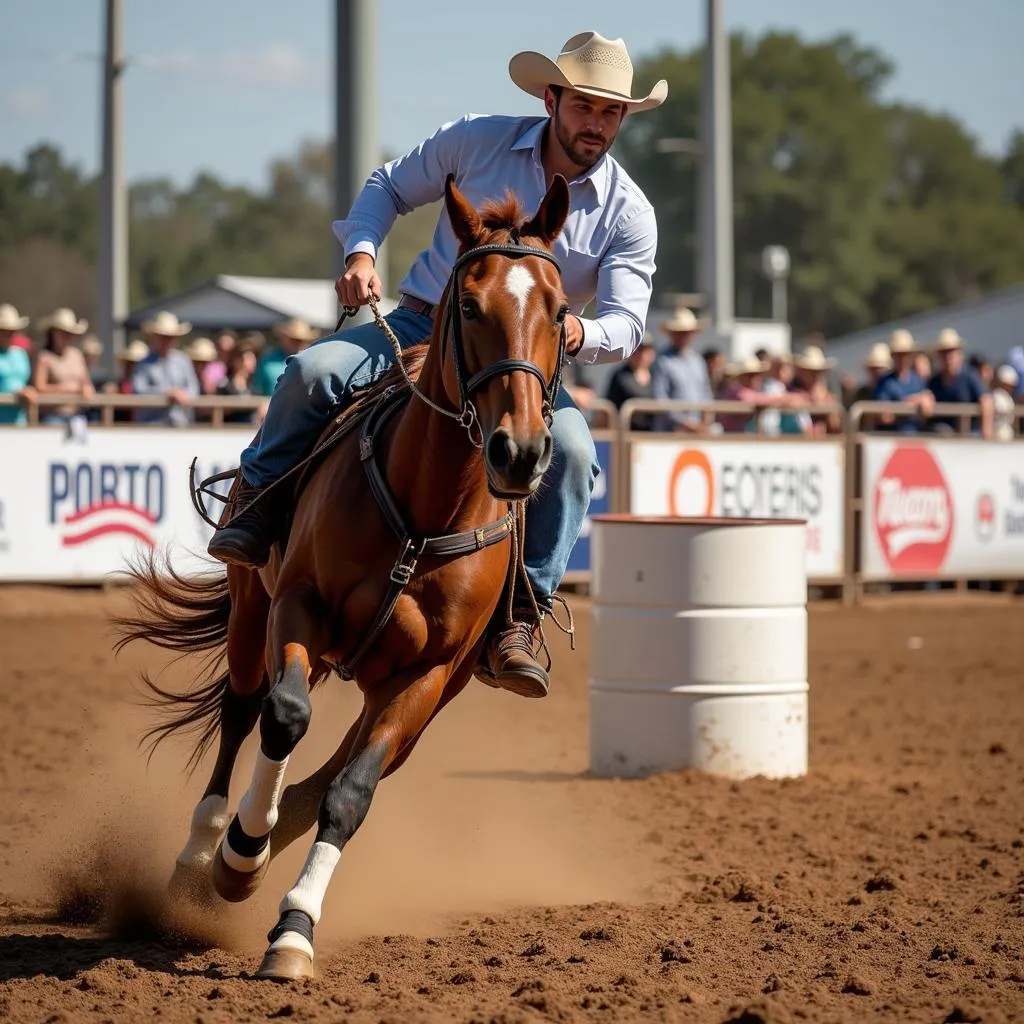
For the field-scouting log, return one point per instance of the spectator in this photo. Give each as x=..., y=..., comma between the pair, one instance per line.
x=778, y=381
x=167, y=371
x=714, y=359
x=60, y=367
x=902, y=384
x=877, y=364
x=216, y=370
x=1004, y=422
x=127, y=358
x=241, y=367
x=679, y=374
x=923, y=366
x=956, y=383
x=92, y=349
x=292, y=337
x=983, y=368
x=633, y=380
x=15, y=369
x=745, y=384
x=1015, y=360
x=13, y=324
x=811, y=367
x=202, y=352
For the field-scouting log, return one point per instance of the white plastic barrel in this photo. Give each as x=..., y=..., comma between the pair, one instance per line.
x=699, y=646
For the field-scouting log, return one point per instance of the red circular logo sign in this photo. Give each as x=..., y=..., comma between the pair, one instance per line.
x=913, y=510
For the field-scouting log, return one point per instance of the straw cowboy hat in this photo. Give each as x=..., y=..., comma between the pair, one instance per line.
x=166, y=325
x=879, y=358
x=948, y=340
x=9, y=319
x=135, y=352
x=901, y=342
x=812, y=358
x=296, y=328
x=588, y=63
x=682, y=320
x=747, y=365
x=202, y=350
x=64, y=320
x=1007, y=375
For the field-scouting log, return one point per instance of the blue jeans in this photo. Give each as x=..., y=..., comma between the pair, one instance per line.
x=318, y=381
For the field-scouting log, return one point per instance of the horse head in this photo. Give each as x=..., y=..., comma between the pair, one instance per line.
x=503, y=331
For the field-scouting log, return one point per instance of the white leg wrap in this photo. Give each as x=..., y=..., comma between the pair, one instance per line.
x=257, y=810
x=247, y=865
x=308, y=892
x=292, y=940
x=210, y=819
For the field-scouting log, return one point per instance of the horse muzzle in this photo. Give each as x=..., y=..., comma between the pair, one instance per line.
x=515, y=465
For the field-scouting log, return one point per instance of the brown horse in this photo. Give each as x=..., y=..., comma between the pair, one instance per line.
x=445, y=465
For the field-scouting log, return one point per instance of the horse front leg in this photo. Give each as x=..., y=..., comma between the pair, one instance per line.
x=392, y=721
x=295, y=640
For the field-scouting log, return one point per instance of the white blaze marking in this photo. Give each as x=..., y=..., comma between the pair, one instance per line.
x=519, y=282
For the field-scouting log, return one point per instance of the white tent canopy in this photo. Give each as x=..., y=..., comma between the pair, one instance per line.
x=252, y=303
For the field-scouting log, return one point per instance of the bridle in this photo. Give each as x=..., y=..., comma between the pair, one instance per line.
x=452, y=322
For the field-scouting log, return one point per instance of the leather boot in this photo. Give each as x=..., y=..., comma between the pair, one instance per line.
x=247, y=538
x=508, y=662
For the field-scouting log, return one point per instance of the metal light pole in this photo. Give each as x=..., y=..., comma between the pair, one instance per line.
x=356, y=141
x=715, y=216
x=113, y=226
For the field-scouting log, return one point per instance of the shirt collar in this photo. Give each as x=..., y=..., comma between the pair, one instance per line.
x=533, y=134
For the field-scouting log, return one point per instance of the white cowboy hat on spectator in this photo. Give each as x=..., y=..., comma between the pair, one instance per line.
x=948, y=340
x=9, y=319
x=64, y=320
x=682, y=320
x=588, y=63
x=747, y=365
x=901, y=342
x=812, y=358
x=296, y=328
x=92, y=346
x=1007, y=375
x=879, y=358
x=134, y=352
x=202, y=350
x=166, y=325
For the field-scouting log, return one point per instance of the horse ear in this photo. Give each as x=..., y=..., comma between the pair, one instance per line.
x=549, y=219
x=466, y=222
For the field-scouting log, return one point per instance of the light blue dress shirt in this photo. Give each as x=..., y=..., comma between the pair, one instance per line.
x=606, y=249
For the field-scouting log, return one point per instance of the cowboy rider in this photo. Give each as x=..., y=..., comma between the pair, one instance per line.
x=606, y=250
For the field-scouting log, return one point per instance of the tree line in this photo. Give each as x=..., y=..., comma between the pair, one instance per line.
x=886, y=209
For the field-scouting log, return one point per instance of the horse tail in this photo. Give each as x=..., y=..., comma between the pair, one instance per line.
x=186, y=615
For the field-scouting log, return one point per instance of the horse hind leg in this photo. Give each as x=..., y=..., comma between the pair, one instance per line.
x=244, y=687
x=295, y=641
x=390, y=722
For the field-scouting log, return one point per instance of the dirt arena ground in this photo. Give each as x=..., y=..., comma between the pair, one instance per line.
x=495, y=881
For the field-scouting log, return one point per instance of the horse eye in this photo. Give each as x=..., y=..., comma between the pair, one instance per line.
x=562, y=314
x=468, y=309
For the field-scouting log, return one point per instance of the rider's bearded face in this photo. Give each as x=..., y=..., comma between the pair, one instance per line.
x=585, y=126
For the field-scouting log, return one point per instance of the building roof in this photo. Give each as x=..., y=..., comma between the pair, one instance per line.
x=990, y=326
x=251, y=303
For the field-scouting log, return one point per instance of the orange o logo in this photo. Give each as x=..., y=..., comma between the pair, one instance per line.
x=691, y=459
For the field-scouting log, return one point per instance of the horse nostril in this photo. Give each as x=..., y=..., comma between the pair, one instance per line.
x=548, y=443
x=501, y=451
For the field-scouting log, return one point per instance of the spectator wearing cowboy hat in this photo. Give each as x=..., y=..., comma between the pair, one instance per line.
x=15, y=366
x=166, y=370
x=902, y=384
x=877, y=363
x=293, y=336
x=811, y=368
x=679, y=374
x=745, y=383
x=955, y=382
x=61, y=368
x=12, y=324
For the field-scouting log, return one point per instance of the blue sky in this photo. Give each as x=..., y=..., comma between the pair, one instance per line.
x=233, y=94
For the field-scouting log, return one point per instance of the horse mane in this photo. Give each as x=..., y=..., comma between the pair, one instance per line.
x=505, y=214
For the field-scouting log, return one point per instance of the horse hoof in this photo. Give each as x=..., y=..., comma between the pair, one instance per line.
x=191, y=883
x=233, y=885
x=286, y=965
